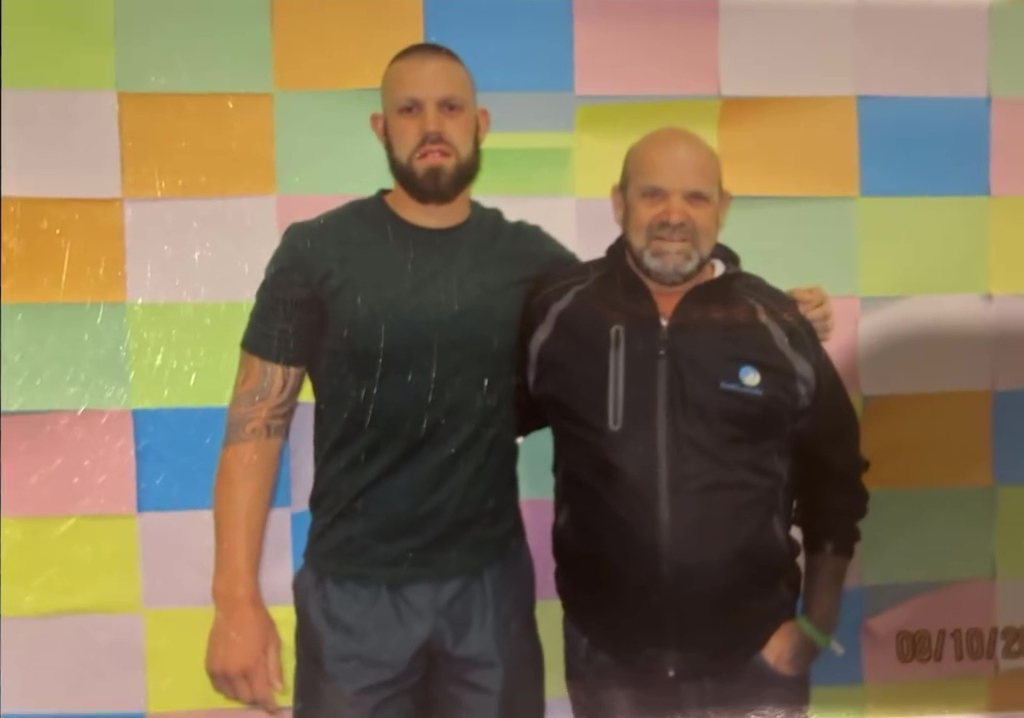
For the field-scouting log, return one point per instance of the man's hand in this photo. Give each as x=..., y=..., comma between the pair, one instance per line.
x=789, y=651
x=816, y=306
x=243, y=657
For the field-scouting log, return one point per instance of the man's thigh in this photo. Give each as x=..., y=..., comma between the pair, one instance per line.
x=360, y=648
x=486, y=658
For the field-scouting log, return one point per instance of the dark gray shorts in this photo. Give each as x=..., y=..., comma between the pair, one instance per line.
x=462, y=647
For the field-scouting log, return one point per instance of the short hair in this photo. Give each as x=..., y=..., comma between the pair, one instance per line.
x=427, y=49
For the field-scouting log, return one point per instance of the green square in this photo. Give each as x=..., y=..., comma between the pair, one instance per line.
x=194, y=46
x=185, y=354
x=1006, y=49
x=325, y=144
x=536, y=455
x=922, y=535
x=838, y=701
x=62, y=44
x=526, y=171
x=794, y=242
x=923, y=245
x=1010, y=533
x=60, y=356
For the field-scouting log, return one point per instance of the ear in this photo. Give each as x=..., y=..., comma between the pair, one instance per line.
x=618, y=204
x=377, y=125
x=483, y=123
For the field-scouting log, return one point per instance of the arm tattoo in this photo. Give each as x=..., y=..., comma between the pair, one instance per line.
x=263, y=402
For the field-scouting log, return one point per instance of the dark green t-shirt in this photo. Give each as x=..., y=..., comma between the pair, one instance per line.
x=409, y=338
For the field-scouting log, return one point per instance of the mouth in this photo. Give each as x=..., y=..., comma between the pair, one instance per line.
x=434, y=152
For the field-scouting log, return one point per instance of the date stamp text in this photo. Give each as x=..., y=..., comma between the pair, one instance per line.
x=960, y=644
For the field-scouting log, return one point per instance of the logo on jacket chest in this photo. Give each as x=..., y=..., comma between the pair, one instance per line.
x=747, y=381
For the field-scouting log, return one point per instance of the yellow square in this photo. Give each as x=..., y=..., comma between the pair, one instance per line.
x=73, y=564
x=604, y=131
x=176, y=639
x=1006, y=245
x=936, y=697
x=549, y=625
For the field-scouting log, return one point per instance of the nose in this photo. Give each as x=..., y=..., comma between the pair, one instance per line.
x=677, y=210
x=431, y=120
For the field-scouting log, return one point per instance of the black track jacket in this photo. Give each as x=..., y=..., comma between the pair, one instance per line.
x=684, y=453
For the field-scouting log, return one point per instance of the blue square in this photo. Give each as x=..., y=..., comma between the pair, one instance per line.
x=508, y=45
x=176, y=456
x=846, y=669
x=300, y=534
x=1008, y=437
x=924, y=146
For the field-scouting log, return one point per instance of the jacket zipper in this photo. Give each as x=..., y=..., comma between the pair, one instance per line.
x=664, y=514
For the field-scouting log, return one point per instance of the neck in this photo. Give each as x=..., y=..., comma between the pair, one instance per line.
x=667, y=297
x=432, y=216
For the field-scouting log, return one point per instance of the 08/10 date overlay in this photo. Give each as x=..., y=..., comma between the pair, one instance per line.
x=960, y=644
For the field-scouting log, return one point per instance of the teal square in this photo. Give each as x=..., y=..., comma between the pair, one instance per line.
x=194, y=46
x=59, y=356
x=536, y=457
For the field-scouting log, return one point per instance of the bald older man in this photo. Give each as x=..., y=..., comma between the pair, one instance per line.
x=696, y=417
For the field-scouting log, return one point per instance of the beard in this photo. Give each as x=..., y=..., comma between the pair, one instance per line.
x=669, y=266
x=435, y=185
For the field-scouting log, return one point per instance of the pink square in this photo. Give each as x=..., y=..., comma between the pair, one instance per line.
x=1007, y=161
x=787, y=48
x=67, y=463
x=294, y=207
x=934, y=48
x=842, y=345
x=177, y=558
x=300, y=455
x=646, y=47
x=539, y=516
x=94, y=663
x=596, y=229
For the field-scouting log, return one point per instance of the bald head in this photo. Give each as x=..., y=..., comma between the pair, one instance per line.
x=670, y=204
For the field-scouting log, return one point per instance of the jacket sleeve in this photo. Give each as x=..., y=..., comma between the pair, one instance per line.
x=828, y=467
x=529, y=413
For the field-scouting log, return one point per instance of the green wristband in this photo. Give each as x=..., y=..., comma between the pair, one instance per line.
x=813, y=632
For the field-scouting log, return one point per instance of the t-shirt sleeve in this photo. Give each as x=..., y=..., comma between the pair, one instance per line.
x=547, y=253
x=286, y=320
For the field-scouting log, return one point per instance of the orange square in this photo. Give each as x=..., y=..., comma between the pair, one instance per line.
x=327, y=44
x=63, y=250
x=928, y=440
x=805, y=146
x=1008, y=691
x=197, y=145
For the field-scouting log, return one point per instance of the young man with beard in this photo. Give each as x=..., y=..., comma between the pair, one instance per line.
x=416, y=596
x=691, y=406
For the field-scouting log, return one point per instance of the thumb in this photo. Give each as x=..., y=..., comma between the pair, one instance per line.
x=274, y=669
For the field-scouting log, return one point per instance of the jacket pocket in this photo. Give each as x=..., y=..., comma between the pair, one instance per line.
x=616, y=375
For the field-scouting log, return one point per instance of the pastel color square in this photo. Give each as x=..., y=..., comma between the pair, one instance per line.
x=900, y=338
x=198, y=250
x=904, y=527
x=967, y=697
x=1008, y=427
x=301, y=521
x=1006, y=52
x=662, y=47
x=536, y=457
x=300, y=453
x=539, y=519
x=489, y=38
x=1010, y=614
x=549, y=625
x=197, y=145
x=596, y=228
x=176, y=678
x=787, y=48
x=1010, y=533
x=177, y=550
x=100, y=661
x=897, y=237
x=1009, y=341
x=63, y=250
x=530, y=111
x=60, y=44
x=555, y=215
x=185, y=354
x=923, y=145
x=1006, y=245
x=82, y=564
x=321, y=136
x=324, y=44
x=63, y=356
x=841, y=347
x=837, y=701
x=95, y=471
x=59, y=144
x=526, y=171
x=905, y=48
x=1008, y=693
x=789, y=146
x=796, y=241
x=1008, y=146
x=193, y=46
x=299, y=207
x=929, y=440
x=830, y=669
x=177, y=452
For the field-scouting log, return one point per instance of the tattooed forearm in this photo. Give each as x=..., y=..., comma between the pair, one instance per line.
x=263, y=401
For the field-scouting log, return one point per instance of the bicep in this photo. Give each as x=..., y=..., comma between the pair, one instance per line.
x=263, y=400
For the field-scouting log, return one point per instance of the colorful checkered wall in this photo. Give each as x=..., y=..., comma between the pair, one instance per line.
x=154, y=150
